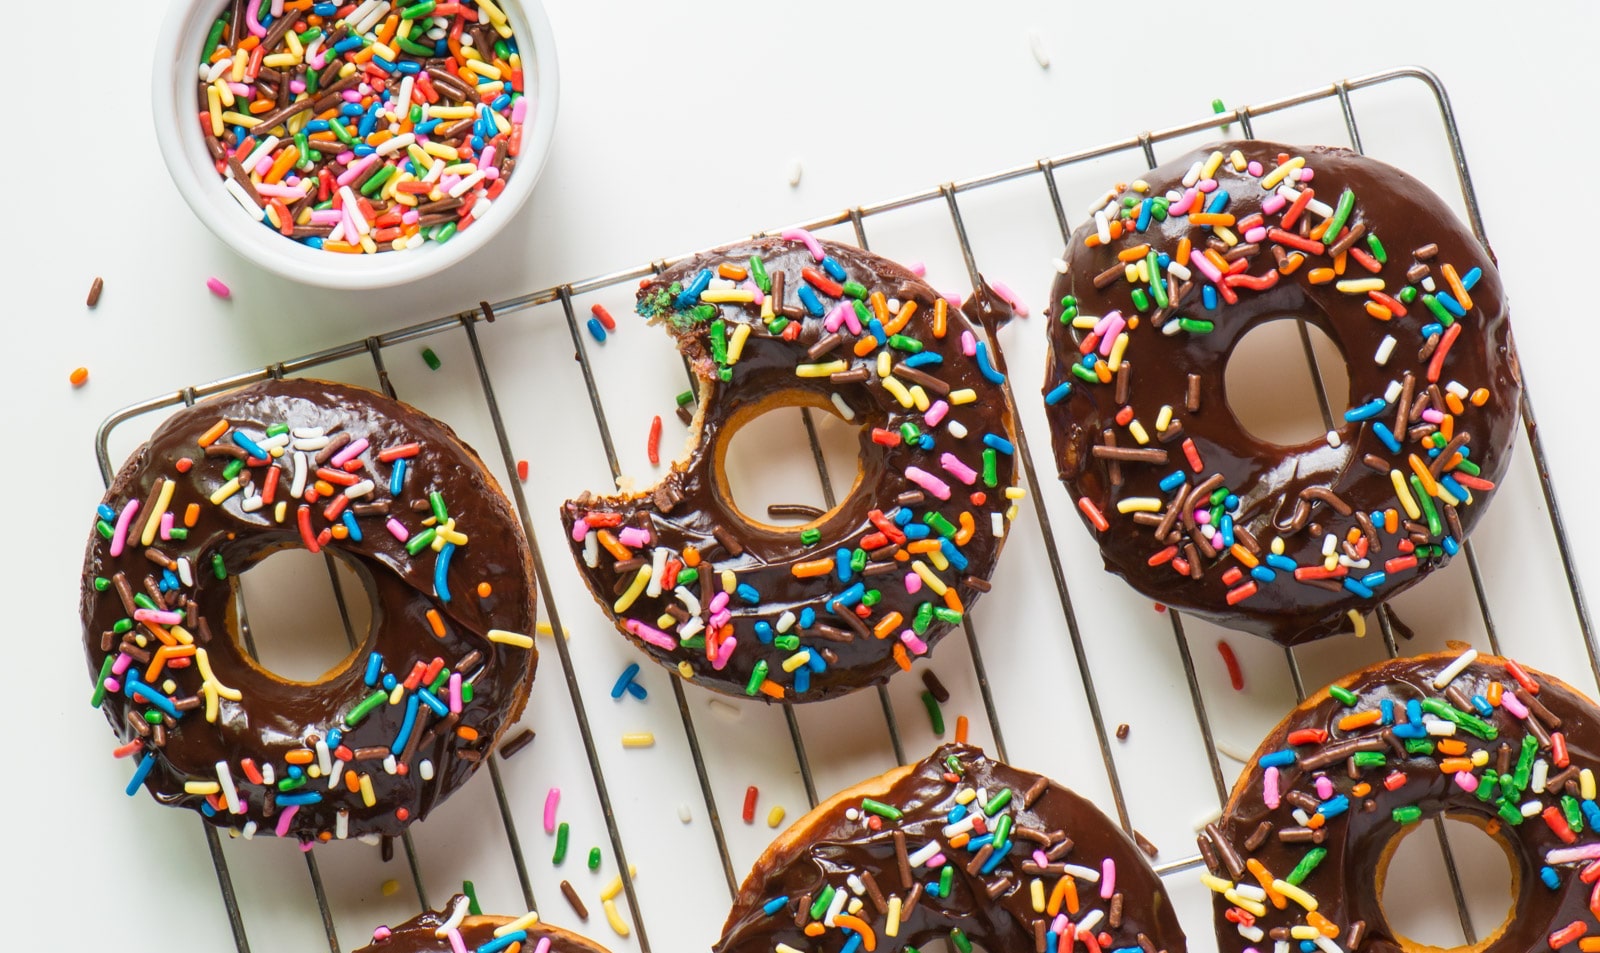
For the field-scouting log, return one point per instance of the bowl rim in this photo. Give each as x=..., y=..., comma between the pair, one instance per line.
x=190, y=165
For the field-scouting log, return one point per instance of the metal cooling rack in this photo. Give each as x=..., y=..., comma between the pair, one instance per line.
x=468, y=323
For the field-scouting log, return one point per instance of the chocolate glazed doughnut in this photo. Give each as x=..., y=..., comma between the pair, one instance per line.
x=440, y=931
x=960, y=847
x=1333, y=789
x=395, y=726
x=843, y=601
x=1172, y=272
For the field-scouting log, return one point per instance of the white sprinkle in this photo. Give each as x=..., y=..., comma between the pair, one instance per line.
x=1457, y=388
x=1392, y=392
x=1333, y=438
x=297, y=483
x=844, y=408
x=856, y=886
x=957, y=429
x=1428, y=285
x=1193, y=175
x=1091, y=920
x=229, y=792
x=659, y=558
x=924, y=854
x=1326, y=945
x=185, y=571
x=341, y=825
x=591, y=550
x=835, y=908
x=1102, y=227
x=425, y=769
x=1083, y=873
x=1449, y=672
x=1060, y=265
x=1181, y=272
x=1250, y=891
x=1234, y=753
x=249, y=830
x=794, y=173
x=268, y=775
x=1441, y=729
x=1531, y=808
x=1385, y=348
x=359, y=490
x=1253, y=934
x=243, y=198
x=722, y=708
x=1036, y=45
x=851, y=814
x=336, y=775
x=683, y=813
x=457, y=914
x=1541, y=774
x=997, y=525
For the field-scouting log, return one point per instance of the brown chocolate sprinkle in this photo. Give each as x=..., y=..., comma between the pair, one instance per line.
x=522, y=740
x=94, y=292
x=574, y=900
x=935, y=686
x=1122, y=732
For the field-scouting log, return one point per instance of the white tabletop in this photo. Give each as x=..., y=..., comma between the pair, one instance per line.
x=679, y=126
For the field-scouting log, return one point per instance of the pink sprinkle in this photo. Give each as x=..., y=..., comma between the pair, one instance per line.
x=1466, y=781
x=121, y=664
x=1306, y=174
x=217, y=287
x=380, y=934
x=352, y=450
x=913, y=583
x=918, y=268
x=934, y=415
x=1433, y=416
x=835, y=318
x=916, y=645
x=1010, y=297
x=1254, y=168
x=962, y=472
x=1184, y=204
x=486, y=160
x=519, y=111
x=658, y=638
x=1060, y=924
x=1324, y=787
x=1257, y=234
x=811, y=243
x=166, y=525
x=456, y=944
x=952, y=299
x=158, y=616
x=113, y=685
x=1269, y=789
x=354, y=172
x=1108, y=878
x=396, y=530
x=633, y=537
x=969, y=343
x=718, y=602
x=928, y=482
x=723, y=654
x=720, y=619
x=580, y=529
x=1514, y=705
x=850, y=320
x=1040, y=858
x=1273, y=203
x=120, y=537
x=550, y=801
x=455, y=692
x=544, y=945
x=282, y=829
x=1207, y=185
x=297, y=86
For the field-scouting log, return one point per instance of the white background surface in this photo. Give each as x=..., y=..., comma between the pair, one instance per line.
x=678, y=124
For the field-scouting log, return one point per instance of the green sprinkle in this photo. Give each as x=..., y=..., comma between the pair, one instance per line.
x=561, y=845
x=231, y=468
x=152, y=717
x=105, y=529
x=719, y=341
x=1420, y=746
x=472, y=898
x=1140, y=299
x=144, y=602
x=956, y=936
x=1083, y=373
x=924, y=616
x=1370, y=759
x=122, y=626
x=819, y=905
x=101, y=584
x=373, y=184
x=996, y=803
x=935, y=716
x=1486, y=784
x=991, y=467
x=289, y=784
x=421, y=541
x=858, y=560
x=446, y=231
x=881, y=809
x=694, y=643
x=1308, y=863
x=1002, y=833
x=807, y=536
x=703, y=312
x=1377, y=249
x=948, y=615
x=871, y=597
x=686, y=398
x=758, y=271
x=594, y=858
x=466, y=693
x=417, y=10
x=909, y=432
x=947, y=878
x=854, y=289
x=1519, y=778
x=901, y=342
x=1511, y=814
x=757, y=676
x=366, y=707
x=440, y=680
x=1195, y=325
x=1219, y=109
x=1425, y=500
x=213, y=40
x=1409, y=814
x=1471, y=724
x=1445, y=318
x=1158, y=210
x=937, y=521
x=1341, y=214
x=100, y=683
x=689, y=577
x=431, y=359
x=788, y=643
x=1346, y=697
x=1569, y=807
x=436, y=501
x=1469, y=468
x=1408, y=294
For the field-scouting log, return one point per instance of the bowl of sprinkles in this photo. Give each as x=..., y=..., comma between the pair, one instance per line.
x=355, y=145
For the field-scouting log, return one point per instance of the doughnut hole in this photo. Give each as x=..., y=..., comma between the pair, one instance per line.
x=303, y=617
x=1416, y=897
x=764, y=458
x=1272, y=389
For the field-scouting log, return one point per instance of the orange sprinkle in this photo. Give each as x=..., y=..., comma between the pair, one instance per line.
x=814, y=928
x=1322, y=924
x=901, y=320
x=485, y=590
x=1453, y=765
x=214, y=434
x=1361, y=790
x=869, y=940
x=961, y=729
x=191, y=515
x=941, y=317
x=1450, y=747
x=613, y=547
x=691, y=557
x=1494, y=693
x=1184, y=248
x=772, y=689
x=901, y=658
x=79, y=377
x=300, y=756
x=887, y=625
x=1133, y=254
x=732, y=271
x=436, y=623
x=467, y=733
x=1360, y=719
x=969, y=526
x=1319, y=276
x=1292, y=263
x=960, y=840
x=1264, y=876
x=812, y=567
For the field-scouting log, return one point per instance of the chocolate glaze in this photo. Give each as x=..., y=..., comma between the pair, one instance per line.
x=1346, y=883
x=1272, y=480
x=826, y=848
x=276, y=717
x=684, y=510
x=420, y=934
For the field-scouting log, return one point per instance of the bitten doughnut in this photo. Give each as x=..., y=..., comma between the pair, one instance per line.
x=400, y=722
x=844, y=600
x=453, y=929
x=1171, y=272
x=959, y=847
x=1305, y=841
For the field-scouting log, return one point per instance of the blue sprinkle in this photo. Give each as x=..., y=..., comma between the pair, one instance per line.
x=1088, y=361
x=772, y=906
x=324, y=9
x=623, y=680
x=348, y=44
x=1414, y=711
x=1454, y=486
x=397, y=477
x=925, y=441
x=1172, y=481
x=596, y=329
x=1482, y=706
x=834, y=269
x=852, y=945
x=802, y=680
x=637, y=691
x=979, y=843
x=999, y=443
x=501, y=942
x=1143, y=221
x=1263, y=574
x=812, y=302
x=1591, y=813
x=902, y=516
x=374, y=669
x=1230, y=503
x=1451, y=304
x=1373, y=580
x=412, y=68
x=207, y=810
x=808, y=617
x=995, y=859
x=1218, y=202
x=1386, y=709
x=295, y=771
x=301, y=799
x=1385, y=435
x=1367, y=411
x=956, y=813
x=691, y=292
x=1277, y=759
x=1451, y=547
x=389, y=681
x=1058, y=395
x=1226, y=529
x=432, y=701
x=441, y=566
x=1306, y=946
x=349, y=520
x=1208, y=297
x=1357, y=588
x=1278, y=561
x=151, y=695
x=1051, y=944
x=923, y=359
x=1410, y=730
x=952, y=553
x=1429, y=330
x=849, y=597
x=406, y=726
x=1471, y=278
x=423, y=129
x=1334, y=806
x=993, y=376
x=817, y=663
x=322, y=125
x=748, y=593
x=841, y=562
x=1550, y=877
x=141, y=772
x=106, y=513
x=763, y=632
x=250, y=446
x=876, y=329
x=918, y=531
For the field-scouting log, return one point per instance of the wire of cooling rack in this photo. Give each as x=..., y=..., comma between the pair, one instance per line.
x=949, y=195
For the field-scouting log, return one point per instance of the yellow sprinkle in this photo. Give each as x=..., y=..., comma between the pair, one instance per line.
x=1226, y=234
x=884, y=364
x=367, y=796
x=280, y=511
x=820, y=370
x=1016, y=493
x=892, y=928
x=775, y=816
x=520, y=923
x=510, y=638
x=202, y=788
x=496, y=15
x=1359, y=286
x=641, y=579
x=1358, y=622
x=1139, y=433
x=1163, y=418
x=730, y=296
x=397, y=694
x=1234, y=897
x=933, y=582
x=450, y=112
x=203, y=662
x=965, y=395
x=899, y=391
x=1118, y=348
x=1294, y=893
x=547, y=630
x=1403, y=493
x=936, y=557
x=240, y=119
x=639, y=739
x=1139, y=504
x=1301, y=931
x=1036, y=894
x=614, y=918
x=214, y=103
x=796, y=660
x=281, y=60
x=966, y=796
x=919, y=397
x=615, y=886
x=685, y=670
x=1216, y=883
x=1271, y=179
x=1586, y=784
x=1213, y=163
x=730, y=581
x=1085, y=322
x=741, y=334
x=224, y=491
x=1236, y=159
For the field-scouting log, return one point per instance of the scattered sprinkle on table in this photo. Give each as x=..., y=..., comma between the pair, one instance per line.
x=654, y=445
x=638, y=739
x=794, y=174
x=218, y=288
x=1122, y=732
x=94, y=292
x=79, y=376
x=935, y=716
x=1036, y=45
x=551, y=801
x=603, y=316
x=1235, y=673
x=750, y=795
x=935, y=686
x=594, y=858
x=522, y=470
x=574, y=901
x=522, y=740
x=775, y=816
x=1218, y=108
x=390, y=887
x=431, y=359
x=684, y=814
x=596, y=329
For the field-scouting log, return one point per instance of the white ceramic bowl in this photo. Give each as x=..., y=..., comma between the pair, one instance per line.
x=177, y=57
